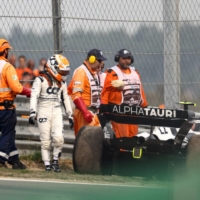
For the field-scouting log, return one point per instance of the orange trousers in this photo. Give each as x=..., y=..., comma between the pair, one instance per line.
x=79, y=121
x=124, y=130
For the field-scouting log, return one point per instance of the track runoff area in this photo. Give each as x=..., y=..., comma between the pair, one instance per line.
x=21, y=189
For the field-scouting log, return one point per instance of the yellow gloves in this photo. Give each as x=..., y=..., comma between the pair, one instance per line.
x=118, y=84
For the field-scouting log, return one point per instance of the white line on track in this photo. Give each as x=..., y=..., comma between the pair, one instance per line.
x=78, y=183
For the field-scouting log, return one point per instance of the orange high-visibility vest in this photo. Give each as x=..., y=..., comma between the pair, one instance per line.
x=9, y=83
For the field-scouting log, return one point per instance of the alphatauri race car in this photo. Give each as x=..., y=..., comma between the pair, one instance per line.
x=170, y=142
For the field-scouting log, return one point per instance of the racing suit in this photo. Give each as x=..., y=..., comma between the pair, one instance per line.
x=48, y=95
x=132, y=94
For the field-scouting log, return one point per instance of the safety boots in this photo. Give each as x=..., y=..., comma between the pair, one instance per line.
x=55, y=166
x=47, y=168
x=17, y=164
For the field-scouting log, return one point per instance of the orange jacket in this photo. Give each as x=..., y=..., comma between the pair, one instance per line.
x=80, y=86
x=36, y=72
x=113, y=95
x=28, y=70
x=9, y=83
x=20, y=72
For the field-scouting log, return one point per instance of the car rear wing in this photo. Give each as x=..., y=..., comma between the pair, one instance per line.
x=147, y=116
x=152, y=116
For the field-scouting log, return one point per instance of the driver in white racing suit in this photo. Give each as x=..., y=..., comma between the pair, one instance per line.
x=48, y=92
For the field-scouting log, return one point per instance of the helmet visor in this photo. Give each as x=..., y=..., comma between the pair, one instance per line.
x=63, y=72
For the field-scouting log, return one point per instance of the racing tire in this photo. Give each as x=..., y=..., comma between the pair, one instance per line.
x=88, y=150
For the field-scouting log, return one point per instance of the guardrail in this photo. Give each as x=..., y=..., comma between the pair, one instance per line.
x=27, y=136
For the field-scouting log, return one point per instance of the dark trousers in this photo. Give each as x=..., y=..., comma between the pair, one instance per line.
x=8, y=150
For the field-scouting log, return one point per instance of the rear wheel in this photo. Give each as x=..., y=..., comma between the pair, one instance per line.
x=88, y=150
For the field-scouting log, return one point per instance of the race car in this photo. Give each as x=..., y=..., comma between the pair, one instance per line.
x=169, y=133
x=98, y=151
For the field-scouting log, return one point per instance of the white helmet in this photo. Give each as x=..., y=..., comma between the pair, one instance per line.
x=58, y=66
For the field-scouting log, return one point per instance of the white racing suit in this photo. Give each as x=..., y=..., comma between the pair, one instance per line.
x=46, y=102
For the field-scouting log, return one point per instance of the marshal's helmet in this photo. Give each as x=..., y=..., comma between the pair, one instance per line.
x=58, y=67
x=4, y=44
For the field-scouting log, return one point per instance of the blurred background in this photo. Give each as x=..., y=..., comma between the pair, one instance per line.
x=163, y=36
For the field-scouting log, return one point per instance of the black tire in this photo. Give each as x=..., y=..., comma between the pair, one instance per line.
x=87, y=152
x=193, y=154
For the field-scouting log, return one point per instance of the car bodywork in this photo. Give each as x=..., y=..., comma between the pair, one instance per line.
x=100, y=146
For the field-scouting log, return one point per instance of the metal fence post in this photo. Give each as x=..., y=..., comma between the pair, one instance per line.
x=171, y=53
x=57, y=33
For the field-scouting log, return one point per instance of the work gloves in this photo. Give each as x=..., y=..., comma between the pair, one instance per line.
x=118, y=84
x=88, y=116
x=26, y=91
x=32, y=118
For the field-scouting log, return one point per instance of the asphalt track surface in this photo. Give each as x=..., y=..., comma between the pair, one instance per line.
x=13, y=189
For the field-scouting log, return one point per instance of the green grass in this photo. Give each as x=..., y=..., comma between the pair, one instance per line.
x=70, y=176
x=36, y=156
x=35, y=170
